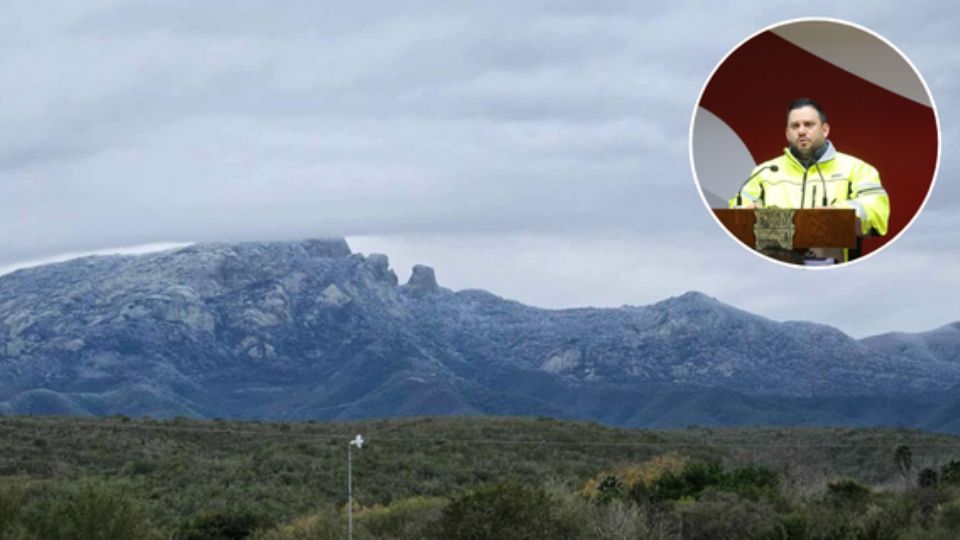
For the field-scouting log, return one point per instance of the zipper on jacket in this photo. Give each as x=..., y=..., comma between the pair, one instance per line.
x=803, y=187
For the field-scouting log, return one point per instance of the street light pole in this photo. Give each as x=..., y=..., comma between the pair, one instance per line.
x=349, y=495
x=359, y=443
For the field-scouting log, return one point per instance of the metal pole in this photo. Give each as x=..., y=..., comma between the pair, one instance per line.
x=349, y=494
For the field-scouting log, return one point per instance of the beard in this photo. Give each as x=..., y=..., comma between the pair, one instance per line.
x=808, y=153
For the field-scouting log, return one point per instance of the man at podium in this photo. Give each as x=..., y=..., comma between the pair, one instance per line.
x=812, y=174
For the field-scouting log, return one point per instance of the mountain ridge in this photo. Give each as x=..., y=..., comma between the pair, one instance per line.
x=311, y=330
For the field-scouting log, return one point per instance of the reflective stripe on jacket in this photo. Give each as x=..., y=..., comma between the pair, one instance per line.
x=850, y=183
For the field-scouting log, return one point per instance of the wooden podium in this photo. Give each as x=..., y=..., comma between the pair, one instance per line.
x=814, y=228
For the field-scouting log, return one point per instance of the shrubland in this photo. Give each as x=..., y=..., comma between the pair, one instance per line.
x=123, y=477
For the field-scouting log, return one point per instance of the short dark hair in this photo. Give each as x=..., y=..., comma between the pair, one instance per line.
x=799, y=103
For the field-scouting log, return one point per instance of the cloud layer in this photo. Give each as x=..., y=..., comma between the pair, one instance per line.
x=557, y=129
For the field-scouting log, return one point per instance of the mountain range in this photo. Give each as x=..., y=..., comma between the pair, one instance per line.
x=310, y=330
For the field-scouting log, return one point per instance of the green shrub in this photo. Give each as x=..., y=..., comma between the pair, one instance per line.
x=850, y=511
x=750, y=482
x=826, y=521
x=927, y=504
x=12, y=499
x=848, y=493
x=721, y=515
x=950, y=473
x=141, y=466
x=609, y=488
x=640, y=493
x=794, y=527
x=232, y=524
x=688, y=482
x=927, y=477
x=844, y=531
x=326, y=524
x=406, y=518
x=506, y=511
x=90, y=511
x=950, y=516
x=885, y=521
x=903, y=459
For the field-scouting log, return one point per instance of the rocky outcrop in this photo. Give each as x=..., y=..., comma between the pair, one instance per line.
x=379, y=266
x=422, y=282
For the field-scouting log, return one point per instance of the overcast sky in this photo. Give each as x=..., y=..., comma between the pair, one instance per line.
x=538, y=150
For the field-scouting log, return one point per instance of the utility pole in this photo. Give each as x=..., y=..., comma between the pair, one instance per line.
x=359, y=444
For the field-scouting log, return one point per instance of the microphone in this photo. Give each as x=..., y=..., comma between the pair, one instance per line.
x=824, y=182
x=773, y=168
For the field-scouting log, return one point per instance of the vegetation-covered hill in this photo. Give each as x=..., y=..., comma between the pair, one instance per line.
x=185, y=475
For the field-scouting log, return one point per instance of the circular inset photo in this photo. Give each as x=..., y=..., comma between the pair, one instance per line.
x=815, y=142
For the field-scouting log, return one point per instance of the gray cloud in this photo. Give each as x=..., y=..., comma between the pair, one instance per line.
x=563, y=124
x=611, y=270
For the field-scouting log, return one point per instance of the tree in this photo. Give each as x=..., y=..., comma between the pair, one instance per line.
x=927, y=477
x=950, y=473
x=609, y=488
x=903, y=458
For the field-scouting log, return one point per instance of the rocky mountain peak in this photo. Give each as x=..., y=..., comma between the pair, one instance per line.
x=379, y=266
x=327, y=247
x=694, y=298
x=423, y=281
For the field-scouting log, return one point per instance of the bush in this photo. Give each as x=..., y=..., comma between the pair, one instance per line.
x=903, y=459
x=950, y=516
x=927, y=503
x=140, y=466
x=750, y=482
x=504, y=511
x=720, y=516
x=617, y=519
x=326, y=524
x=689, y=483
x=885, y=521
x=848, y=494
x=637, y=477
x=793, y=527
x=406, y=518
x=11, y=502
x=640, y=493
x=825, y=521
x=850, y=510
x=609, y=488
x=233, y=524
x=927, y=477
x=950, y=473
x=90, y=511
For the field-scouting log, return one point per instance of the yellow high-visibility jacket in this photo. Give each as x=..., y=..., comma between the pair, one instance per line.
x=850, y=183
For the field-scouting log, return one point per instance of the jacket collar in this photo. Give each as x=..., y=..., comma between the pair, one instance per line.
x=828, y=152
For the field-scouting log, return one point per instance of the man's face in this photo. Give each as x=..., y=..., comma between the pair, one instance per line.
x=805, y=132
